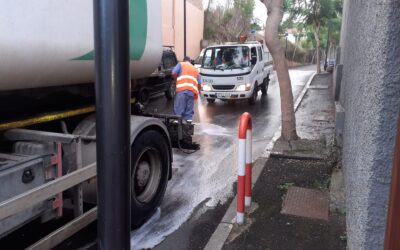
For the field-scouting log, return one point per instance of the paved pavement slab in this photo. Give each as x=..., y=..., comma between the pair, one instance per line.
x=300, y=149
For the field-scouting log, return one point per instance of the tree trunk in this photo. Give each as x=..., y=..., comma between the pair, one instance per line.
x=209, y=5
x=332, y=50
x=294, y=52
x=275, y=14
x=327, y=48
x=316, y=34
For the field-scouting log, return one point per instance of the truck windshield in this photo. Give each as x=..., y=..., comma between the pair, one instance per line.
x=221, y=58
x=198, y=60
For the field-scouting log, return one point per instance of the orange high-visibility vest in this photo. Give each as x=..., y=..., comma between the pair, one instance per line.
x=188, y=79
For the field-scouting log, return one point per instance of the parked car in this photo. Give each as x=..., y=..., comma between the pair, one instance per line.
x=330, y=65
x=160, y=81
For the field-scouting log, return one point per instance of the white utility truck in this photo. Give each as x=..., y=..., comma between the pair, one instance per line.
x=235, y=71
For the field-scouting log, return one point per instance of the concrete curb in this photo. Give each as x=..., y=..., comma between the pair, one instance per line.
x=218, y=238
x=303, y=92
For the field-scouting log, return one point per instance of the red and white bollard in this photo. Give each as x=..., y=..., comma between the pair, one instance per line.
x=244, y=166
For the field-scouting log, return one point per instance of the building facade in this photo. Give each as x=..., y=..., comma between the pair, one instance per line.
x=368, y=103
x=173, y=26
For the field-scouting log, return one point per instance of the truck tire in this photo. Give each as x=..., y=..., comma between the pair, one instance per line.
x=149, y=175
x=170, y=92
x=144, y=96
x=264, y=86
x=252, y=100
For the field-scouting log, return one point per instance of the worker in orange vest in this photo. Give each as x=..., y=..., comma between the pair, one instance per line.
x=187, y=88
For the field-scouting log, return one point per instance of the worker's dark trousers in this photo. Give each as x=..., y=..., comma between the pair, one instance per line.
x=183, y=105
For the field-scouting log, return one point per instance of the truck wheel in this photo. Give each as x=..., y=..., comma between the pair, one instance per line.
x=264, y=86
x=149, y=175
x=211, y=101
x=144, y=96
x=252, y=100
x=170, y=92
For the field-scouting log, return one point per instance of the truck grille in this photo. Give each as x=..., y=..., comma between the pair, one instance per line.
x=223, y=87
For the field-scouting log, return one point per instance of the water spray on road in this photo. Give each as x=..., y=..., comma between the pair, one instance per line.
x=201, y=111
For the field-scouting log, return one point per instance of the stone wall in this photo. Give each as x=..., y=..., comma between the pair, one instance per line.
x=370, y=95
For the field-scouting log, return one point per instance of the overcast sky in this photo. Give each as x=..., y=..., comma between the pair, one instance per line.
x=260, y=12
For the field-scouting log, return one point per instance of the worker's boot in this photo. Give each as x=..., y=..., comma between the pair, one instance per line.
x=196, y=146
x=187, y=133
x=188, y=144
x=187, y=129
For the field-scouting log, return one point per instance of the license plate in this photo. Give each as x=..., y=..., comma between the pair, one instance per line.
x=222, y=95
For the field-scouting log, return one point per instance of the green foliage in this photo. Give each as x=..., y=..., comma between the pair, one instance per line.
x=246, y=7
x=334, y=26
x=343, y=237
x=287, y=5
x=308, y=15
x=311, y=12
x=228, y=22
x=208, y=31
x=322, y=185
x=285, y=186
x=296, y=53
x=338, y=5
x=227, y=16
x=255, y=26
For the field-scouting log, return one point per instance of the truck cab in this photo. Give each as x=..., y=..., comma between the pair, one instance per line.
x=235, y=71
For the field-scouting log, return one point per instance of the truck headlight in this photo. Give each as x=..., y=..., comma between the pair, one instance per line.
x=244, y=87
x=205, y=87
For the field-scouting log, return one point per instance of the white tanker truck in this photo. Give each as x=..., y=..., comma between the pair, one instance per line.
x=47, y=126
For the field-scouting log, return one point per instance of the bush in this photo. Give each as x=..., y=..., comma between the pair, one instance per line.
x=301, y=56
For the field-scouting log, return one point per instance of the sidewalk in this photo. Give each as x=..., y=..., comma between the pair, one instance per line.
x=290, y=207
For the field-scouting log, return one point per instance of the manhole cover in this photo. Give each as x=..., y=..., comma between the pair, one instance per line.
x=306, y=203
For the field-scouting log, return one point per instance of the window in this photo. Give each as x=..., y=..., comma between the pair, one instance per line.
x=260, y=57
x=198, y=60
x=208, y=58
x=226, y=57
x=253, y=55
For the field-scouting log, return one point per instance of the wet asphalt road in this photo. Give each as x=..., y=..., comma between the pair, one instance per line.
x=202, y=184
x=265, y=113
